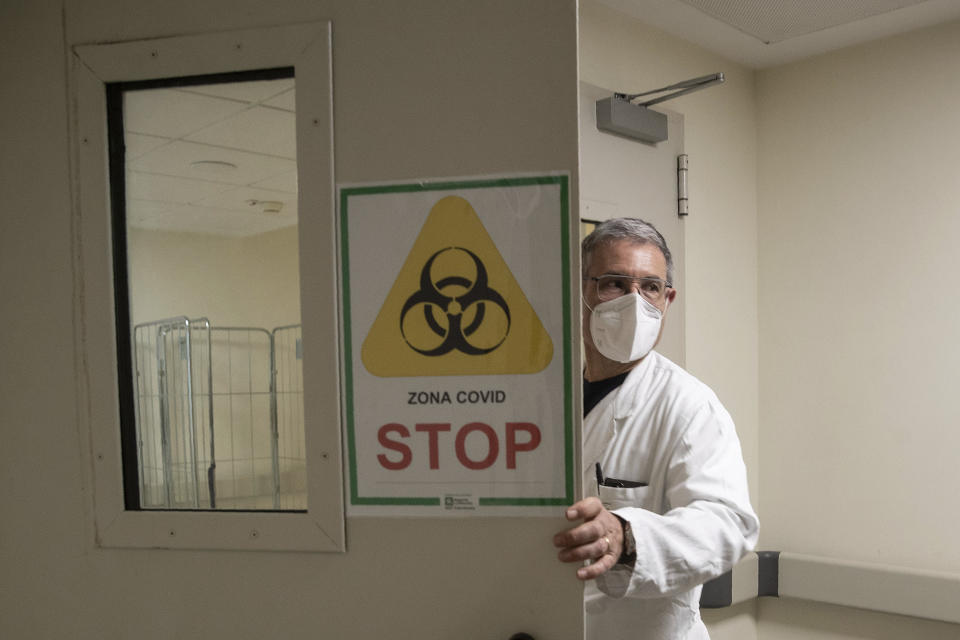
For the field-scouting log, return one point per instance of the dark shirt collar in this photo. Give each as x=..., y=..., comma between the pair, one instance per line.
x=594, y=392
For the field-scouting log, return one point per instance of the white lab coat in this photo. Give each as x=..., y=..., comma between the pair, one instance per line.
x=692, y=521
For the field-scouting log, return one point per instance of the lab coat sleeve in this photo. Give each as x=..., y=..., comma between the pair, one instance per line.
x=709, y=523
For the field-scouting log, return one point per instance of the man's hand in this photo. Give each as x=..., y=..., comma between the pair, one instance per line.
x=598, y=539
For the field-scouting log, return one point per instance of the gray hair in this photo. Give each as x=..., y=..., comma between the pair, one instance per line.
x=631, y=229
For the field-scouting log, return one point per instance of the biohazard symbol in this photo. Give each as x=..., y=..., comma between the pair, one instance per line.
x=434, y=296
x=455, y=307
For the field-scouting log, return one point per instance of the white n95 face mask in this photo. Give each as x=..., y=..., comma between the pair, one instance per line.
x=626, y=328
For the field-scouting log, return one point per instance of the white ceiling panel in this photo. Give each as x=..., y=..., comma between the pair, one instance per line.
x=193, y=160
x=259, y=129
x=285, y=100
x=147, y=186
x=251, y=92
x=212, y=158
x=249, y=200
x=212, y=221
x=138, y=144
x=767, y=33
x=781, y=20
x=139, y=211
x=173, y=113
x=286, y=182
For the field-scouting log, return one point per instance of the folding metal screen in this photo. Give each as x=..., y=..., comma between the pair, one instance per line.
x=291, y=469
x=219, y=416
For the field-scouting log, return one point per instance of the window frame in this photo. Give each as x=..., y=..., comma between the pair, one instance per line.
x=100, y=282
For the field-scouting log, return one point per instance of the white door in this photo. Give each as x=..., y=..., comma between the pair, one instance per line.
x=295, y=571
x=620, y=177
x=314, y=573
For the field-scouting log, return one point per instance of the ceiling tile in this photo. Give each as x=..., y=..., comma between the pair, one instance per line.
x=250, y=92
x=140, y=211
x=188, y=218
x=137, y=144
x=180, y=159
x=779, y=20
x=160, y=188
x=259, y=129
x=286, y=182
x=725, y=26
x=172, y=113
x=239, y=199
x=286, y=100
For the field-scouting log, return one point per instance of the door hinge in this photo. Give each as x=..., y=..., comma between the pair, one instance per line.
x=683, y=204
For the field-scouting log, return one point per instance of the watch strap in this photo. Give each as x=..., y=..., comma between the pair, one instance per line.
x=629, y=553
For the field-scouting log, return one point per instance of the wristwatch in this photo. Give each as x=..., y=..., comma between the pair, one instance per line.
x=629, y=553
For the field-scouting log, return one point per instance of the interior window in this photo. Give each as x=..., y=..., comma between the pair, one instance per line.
x=204, y=185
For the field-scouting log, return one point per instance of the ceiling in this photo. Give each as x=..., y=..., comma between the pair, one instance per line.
x=217, y=159
x=767, y=33
x=221, y=159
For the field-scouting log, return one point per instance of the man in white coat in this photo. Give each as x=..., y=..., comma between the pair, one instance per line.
x=666, y=505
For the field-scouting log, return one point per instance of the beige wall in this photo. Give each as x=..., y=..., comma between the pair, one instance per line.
x=858, y=176
x=241, y=282
x=858, y=170
x=420, y=91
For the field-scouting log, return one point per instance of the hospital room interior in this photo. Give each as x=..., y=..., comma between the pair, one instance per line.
x=177, y=457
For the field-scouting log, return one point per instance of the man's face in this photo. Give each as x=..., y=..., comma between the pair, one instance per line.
x=625, y=258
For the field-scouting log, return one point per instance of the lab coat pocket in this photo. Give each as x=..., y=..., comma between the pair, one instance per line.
x=617, y=497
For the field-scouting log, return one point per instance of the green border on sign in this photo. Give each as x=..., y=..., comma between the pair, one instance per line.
x=345, y=194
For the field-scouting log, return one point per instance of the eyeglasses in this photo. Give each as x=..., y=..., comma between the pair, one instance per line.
x=610, y=287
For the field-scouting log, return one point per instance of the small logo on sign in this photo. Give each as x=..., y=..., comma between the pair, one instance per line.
x=459, y=502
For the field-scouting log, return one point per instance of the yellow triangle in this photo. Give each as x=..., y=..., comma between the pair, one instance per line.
x=455, y=307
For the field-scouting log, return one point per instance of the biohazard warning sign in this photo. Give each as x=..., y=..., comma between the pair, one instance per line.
x=457, y=346
x=455, y=307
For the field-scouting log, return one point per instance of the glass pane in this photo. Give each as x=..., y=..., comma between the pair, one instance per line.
x=212, y=287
